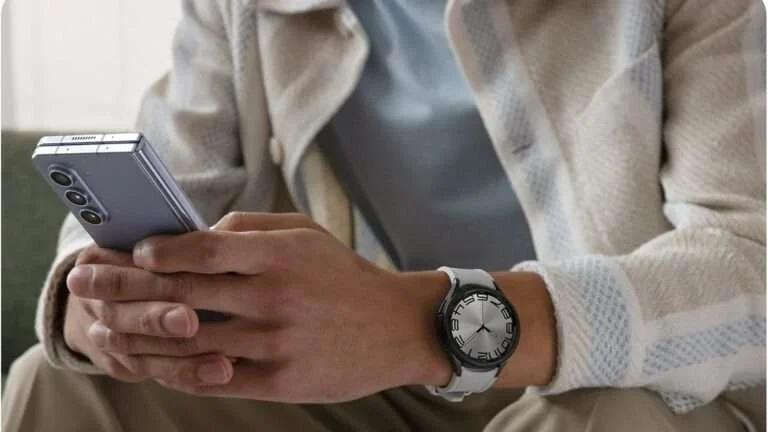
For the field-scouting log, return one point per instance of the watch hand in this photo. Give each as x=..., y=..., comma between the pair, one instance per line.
x=470, y=339
x=482, y=313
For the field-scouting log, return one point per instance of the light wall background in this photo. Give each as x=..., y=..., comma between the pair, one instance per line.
x=82, y=65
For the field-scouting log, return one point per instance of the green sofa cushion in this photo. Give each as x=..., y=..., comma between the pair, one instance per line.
x=30, y=222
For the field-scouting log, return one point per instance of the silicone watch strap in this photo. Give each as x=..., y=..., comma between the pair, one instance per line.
x=468, y=381
x=468, y=277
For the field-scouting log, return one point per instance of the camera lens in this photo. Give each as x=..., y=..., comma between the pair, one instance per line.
x=76, y=197
x=61, y=178
x=91, y=217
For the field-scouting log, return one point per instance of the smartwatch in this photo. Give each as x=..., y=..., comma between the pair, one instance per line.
x=478, y=329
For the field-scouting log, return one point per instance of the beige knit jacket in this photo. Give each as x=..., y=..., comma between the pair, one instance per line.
x=631, y=131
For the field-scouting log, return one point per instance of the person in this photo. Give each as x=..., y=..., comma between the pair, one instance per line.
x=597, y=160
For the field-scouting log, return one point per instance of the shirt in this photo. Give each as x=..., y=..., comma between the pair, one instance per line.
x=412, y=153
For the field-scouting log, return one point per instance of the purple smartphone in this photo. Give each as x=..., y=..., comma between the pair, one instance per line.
x=118, y=189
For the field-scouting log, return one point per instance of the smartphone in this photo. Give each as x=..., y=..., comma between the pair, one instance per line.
x=119, y=190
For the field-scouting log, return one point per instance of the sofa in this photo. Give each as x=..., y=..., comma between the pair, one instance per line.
x=31, y=217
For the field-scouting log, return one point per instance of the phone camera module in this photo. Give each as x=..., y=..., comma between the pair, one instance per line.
x=61, y=178
x=76, y=198
x=91, y=217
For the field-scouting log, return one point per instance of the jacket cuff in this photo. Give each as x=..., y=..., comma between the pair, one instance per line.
x=596, y=323
x=51, y=306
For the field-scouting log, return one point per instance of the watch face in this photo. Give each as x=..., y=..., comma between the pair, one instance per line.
x=482, y=327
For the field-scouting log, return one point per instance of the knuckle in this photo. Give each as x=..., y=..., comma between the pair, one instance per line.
x=179, y=373
x=270, y=251
x=273, y=345
x=184, y=346
x=283, y=248
x=268, y=307
x=109, y=282
x=301, y=220
x=135, y=365
x=233, y=220
x=91, y=307
x=149, y=323
x=209, y=250
x=106, y=313
x=112, y=367
x=118, y=342
x=307, y=233
x=188, y=346
x=304, y=221
x=177, y=287
x=89, y=255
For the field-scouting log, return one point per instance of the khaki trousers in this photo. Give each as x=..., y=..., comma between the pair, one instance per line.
x=39, y=397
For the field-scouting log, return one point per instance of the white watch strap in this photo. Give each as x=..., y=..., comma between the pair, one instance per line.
x=468, y=382
x=468, y=277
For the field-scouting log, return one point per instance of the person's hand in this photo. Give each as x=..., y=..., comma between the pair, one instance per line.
x=311, y=320
x=87, y=320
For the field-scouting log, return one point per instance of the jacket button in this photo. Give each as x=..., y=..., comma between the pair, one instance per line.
x=346, y=21
x=276, y=151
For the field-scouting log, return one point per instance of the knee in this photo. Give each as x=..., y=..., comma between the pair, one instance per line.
x=28, y=365
x=32, y=377
x=33, y=373
x=22, y=388
x=34, y=386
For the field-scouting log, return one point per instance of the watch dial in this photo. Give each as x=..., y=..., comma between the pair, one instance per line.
x=483, y=327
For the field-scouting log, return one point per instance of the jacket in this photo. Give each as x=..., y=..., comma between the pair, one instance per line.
x=630, y=131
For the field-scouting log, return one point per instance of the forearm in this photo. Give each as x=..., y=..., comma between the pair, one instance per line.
x=534, y=360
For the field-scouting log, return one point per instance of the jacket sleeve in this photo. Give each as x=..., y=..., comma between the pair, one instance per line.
x=190, y=117
x=684, y=314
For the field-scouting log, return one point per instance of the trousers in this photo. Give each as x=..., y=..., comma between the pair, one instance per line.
x=39, y=397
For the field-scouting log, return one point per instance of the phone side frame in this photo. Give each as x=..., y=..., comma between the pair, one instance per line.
x=153, y=166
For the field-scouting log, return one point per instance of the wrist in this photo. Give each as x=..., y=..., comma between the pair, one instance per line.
x=534, y=361
x=425, y=359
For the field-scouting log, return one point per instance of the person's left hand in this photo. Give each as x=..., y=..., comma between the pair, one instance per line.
x=312, y=321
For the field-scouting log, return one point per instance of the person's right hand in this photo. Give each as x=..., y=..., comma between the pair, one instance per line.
x=84, y=318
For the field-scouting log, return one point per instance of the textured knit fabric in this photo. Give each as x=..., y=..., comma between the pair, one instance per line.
x=629, y=131
x=412, y=153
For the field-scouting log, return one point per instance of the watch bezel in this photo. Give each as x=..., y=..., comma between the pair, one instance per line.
x=450, y=344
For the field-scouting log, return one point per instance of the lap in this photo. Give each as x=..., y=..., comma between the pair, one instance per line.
x=598, y=410
x=40, y=397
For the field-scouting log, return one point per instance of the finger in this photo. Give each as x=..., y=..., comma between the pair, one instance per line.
x=222, y=293
x=152, y=318
x=209, y=369
x=226, y=339
x=252, y=221
x=209, y=252
x=115, y=368
x=255, y=380
x=96, y=255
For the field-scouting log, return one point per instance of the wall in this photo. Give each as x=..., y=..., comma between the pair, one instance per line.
x=82, y=64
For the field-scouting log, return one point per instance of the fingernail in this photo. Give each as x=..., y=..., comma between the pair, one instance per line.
x=140, y=250
x=176, y=322
x=213, y=373
x=79, y=278
x=97, y=333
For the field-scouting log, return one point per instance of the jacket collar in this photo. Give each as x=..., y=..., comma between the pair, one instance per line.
x=296, y=6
